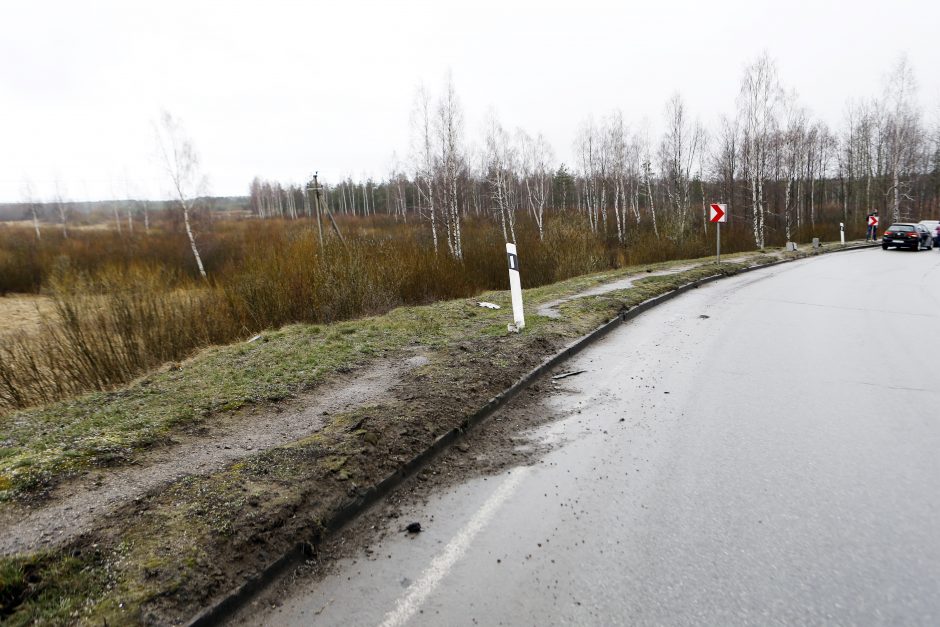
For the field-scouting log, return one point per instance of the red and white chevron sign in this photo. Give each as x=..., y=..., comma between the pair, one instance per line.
x=718, y=213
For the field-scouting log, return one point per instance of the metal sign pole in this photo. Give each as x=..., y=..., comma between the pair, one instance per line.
x=718, y=240
x=718, y=213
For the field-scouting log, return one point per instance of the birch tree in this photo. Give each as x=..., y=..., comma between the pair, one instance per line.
x=61, y=208
x=591, y=146
x=181, y=163
x=537, y=159
x=792, y=148
x=32, y=205
x=646, y=167
x=617, y=150
x=501, y=174
x=725, y=164
x=678, y=153
x=758, y=103
x=423, y=157
x=449, y=124
x=903, y=132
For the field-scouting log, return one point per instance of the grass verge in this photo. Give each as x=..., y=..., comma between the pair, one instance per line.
x=162, y=557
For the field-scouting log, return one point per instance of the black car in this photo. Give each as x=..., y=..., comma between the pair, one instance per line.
x=907, y=235
x=934, y=227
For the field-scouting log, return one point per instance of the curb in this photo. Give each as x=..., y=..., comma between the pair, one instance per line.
x=227, y=605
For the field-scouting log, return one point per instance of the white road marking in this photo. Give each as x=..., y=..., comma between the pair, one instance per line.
x=409, y=604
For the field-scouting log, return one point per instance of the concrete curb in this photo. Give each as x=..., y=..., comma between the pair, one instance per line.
x=227, y=605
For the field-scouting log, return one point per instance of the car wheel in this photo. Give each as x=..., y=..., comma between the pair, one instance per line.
x=884, y=247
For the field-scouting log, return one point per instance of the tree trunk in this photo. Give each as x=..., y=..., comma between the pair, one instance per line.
x=192, y=242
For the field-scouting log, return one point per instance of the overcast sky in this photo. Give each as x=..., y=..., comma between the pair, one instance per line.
x=280, y=89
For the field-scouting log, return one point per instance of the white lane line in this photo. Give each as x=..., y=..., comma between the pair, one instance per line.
x=409, y=604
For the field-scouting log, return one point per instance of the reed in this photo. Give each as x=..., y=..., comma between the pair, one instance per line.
x=126, y=303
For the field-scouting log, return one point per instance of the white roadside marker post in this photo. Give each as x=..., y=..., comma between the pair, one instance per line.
x=842, y=232
x=515, y=288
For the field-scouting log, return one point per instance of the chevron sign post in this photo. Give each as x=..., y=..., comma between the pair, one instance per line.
x=718, y=213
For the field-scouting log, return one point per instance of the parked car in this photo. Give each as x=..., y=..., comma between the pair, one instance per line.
x=907, y=235
x=933, y=227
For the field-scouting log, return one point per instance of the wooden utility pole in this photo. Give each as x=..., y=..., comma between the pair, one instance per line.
x=315, y=188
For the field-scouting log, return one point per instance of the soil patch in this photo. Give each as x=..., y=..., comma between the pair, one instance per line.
x=74, y=505
x=505, y=441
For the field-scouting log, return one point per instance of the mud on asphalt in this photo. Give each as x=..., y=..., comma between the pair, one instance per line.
x=502, y=442
x=166, y=554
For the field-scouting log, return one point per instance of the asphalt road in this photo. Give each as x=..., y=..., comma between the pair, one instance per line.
x=776, y=462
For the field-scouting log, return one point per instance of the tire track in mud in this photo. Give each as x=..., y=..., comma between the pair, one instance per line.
x=75, y=506
x=550, y=309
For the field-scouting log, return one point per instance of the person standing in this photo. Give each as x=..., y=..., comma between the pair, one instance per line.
x=872, y=233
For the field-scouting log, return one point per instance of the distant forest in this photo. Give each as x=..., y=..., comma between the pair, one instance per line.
x=781, y=172
x=103, y=210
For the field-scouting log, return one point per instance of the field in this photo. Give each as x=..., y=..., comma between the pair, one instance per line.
x=23, y=313
x=117, y=305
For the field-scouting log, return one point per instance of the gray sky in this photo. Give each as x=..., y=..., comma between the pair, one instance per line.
x=279, y=89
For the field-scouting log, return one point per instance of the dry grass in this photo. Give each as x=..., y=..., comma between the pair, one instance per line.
x=23, y=312
x=123, y=305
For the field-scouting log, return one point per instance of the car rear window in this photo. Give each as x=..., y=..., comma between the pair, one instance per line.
x=900, y=228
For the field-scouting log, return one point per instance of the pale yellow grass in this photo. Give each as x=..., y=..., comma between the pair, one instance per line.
x=98, y=226
x=22, y=312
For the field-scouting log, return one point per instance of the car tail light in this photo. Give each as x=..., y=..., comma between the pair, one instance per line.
x=887, y=233
x=912, y=234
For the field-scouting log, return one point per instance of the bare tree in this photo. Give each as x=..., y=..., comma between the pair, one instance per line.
x=537, y=158
x=182, y=167
x=758, y=104
x=501, y=162
x=678, y=152
x=725, y=165
x=423, y=156
x=904, y=134
x=32, y=205
x=646, y=168
x=792, y=146
x=61, y=208
x=592, y=148
x=617, y=151
x=449, y=125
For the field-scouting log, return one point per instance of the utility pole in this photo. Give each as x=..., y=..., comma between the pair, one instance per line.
x=315, y=188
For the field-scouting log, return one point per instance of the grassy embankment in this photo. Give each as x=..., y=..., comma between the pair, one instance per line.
x=163, y=557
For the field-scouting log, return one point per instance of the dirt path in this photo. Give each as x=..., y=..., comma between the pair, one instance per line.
x=75, y=506
x=550, y=309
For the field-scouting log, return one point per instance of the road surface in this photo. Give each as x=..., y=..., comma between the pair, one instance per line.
x=762, y=450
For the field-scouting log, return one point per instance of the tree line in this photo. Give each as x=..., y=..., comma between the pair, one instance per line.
x=780, y=170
